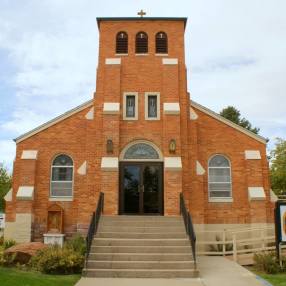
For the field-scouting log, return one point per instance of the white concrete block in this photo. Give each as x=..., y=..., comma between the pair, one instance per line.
x=172, y=108
x=173, y=163
x=256, y=193
x=273, y=197
x=82, y=169
x=200, y=169
x=252, y=155
x=90, y=114
x=25, y=193
x=111, y=108
x=9, y=196
x=193, y=114
x=54, y=238
x=168, y=61
x=113, y=61
x=29, y=155
x=109, y=163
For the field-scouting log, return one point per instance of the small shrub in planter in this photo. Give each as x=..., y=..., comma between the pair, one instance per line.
x=57, y=260
x=267, y=262
x=77, y=244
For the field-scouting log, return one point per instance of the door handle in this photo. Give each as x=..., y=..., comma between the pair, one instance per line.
x=143, y=189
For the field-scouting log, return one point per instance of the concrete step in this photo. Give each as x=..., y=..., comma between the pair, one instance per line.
x=95, y=264
x=140, y=242
x=141, y=256
x=132, y=229
x=140, y=249
x=140, y=235
x=127, y=218
x=152, y=223
x=141, y=273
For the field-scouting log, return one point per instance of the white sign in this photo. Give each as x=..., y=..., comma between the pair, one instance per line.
x=2, y=220
x=283, y=223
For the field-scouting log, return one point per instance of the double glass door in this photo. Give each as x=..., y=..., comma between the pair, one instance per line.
x=141, y=188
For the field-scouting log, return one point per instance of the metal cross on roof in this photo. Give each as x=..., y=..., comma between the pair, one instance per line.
x=141, y=13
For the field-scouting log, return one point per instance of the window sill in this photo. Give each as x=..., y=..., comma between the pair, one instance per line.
x=121, y=55
x=130, y=119
x=161, y=55
x=61, y=199
x=141, y=55
x=220, y=200
x=152, y=118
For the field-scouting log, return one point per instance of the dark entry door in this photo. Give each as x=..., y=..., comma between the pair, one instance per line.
x=141, y=188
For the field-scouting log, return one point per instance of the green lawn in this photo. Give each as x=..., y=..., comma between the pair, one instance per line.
x=274, y=279
x=15, y=277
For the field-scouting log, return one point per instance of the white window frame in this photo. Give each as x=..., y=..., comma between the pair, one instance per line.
x=125, y=94
x=147, y=94
x=220, y=199
x=61, y=198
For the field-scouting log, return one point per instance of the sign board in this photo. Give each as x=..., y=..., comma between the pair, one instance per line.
x=2, y=220
x=280, y=221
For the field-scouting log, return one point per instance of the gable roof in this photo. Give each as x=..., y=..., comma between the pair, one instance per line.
x=54, y=121
x=228, y=122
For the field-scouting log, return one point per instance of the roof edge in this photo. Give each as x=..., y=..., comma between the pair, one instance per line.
x=53, y=121
x=100, y=19
x=228, y=122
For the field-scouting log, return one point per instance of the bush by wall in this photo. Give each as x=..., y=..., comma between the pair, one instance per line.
x=268, y=263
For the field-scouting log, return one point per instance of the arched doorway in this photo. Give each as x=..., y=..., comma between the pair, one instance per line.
x=141, y=179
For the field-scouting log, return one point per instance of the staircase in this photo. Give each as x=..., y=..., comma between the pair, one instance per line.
x=141, y=247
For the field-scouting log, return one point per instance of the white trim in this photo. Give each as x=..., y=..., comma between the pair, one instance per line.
x=273, y=197
x=109, y=163
x=193, y=114
x=199, y=168
x=169, y=61
x=113, y=61
x=29, y=155
x=171, y=108
x=173, y=163
x=82, y=169
x=54, y=121
x=228, y=122
x=161, y=55
x=121, y=55
x=9, y=196
x=125, y=94
x=90, y=114
x=111, y=108
x=60, y=199
x=252, y=155
x=147, y=94
x=221, y=200
x=138, y=55
x=256, y=193
x=122, y=153
x=25, y=193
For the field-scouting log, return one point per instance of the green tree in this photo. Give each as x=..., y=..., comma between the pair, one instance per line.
x=5, y=184
x=233, y=114
x=278, y=167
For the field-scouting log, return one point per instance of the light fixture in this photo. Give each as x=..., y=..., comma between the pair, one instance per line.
x=109, y=146
x=172, y=146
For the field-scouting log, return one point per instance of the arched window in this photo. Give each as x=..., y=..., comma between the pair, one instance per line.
x=219, y=177
x=122, y=43
x=62, y=176
x=161, y=43
x=141, y=43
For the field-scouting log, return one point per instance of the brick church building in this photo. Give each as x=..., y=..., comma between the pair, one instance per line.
x=140, y=140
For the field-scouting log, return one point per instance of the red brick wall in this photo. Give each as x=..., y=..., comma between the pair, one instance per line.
x=84, y=139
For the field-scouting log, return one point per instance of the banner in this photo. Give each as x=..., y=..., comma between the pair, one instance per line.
x=283, y=222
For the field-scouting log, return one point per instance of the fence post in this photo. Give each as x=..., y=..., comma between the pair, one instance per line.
x=234, y=247
x=223, y=241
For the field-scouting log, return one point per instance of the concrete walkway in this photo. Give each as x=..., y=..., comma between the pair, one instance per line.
x=214, y=271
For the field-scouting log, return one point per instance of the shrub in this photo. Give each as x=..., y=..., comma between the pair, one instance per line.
x=77, y=244
x=57, y=260
x=266, y=262
x=6, y=260
x=8, y=243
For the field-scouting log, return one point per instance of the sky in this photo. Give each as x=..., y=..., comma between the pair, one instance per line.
x=235, y=55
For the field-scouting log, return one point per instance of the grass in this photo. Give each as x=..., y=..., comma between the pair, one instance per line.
x=274, y=279
x=15, y=277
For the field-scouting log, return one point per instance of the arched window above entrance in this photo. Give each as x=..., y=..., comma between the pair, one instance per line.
x=141, y=151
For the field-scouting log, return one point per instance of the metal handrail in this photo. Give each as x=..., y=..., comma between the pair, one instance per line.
x=189, y=227
x=94, y=224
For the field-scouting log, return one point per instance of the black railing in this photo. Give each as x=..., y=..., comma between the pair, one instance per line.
x=94, y=224
x=189, y=226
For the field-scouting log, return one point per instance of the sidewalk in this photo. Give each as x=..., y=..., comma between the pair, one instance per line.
x=214, y=271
